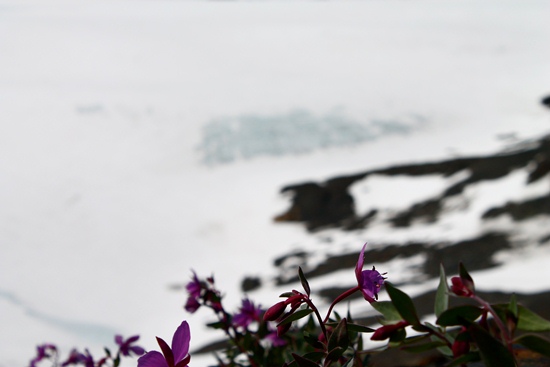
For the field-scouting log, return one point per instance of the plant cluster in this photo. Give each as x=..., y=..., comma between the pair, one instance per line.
x=293, y=332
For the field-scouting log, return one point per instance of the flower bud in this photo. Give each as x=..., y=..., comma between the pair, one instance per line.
x=461, y=344
x=460, y=289
x=386, y=331
x=282, y=329
x=275, y=311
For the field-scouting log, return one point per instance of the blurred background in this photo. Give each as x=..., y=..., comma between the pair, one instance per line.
x=142, y=139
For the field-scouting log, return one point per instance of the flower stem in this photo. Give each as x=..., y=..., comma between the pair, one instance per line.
x=316, y=312
x=504, y=331
x=344, y=295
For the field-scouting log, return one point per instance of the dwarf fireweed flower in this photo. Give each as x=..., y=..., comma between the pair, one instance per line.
x=125, y=346
x=368, y=281
x=194, y=287
x=177, y=356
x=192, y=305
x=247, y=315
x=42, y=352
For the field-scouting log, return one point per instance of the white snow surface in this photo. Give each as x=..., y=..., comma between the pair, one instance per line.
x=105, y=197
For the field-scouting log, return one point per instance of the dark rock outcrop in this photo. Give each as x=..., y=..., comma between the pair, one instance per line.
x=329, y=203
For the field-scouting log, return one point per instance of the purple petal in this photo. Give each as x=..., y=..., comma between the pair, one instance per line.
x=180, y=342
x=371, y=283
x=168, y=355
x=152, y=359
x=132, y=339
x=118, y=339
x=360, y=262
x=137, y=350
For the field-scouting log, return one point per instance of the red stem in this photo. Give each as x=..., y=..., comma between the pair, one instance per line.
x=344, y=295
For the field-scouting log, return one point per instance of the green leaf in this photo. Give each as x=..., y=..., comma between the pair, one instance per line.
x=442, y=294
x=216, y=325
x=513, y=305
x=335, y=354
x=460, y=315
x=303, y=279
x=535, y=343
x=388, y=310
x=359, y=328
x=493, y=353
x=397, y=337
x=403, y=303
x=530, y=321
x=304, y=362
x=296, y=316
x=313, y=340
x=339, y=337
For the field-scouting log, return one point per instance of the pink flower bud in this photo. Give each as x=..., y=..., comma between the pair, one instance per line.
x=460, y=289
x=282, y=329
x=386, y=331
x=275, y=311
x=460, y=346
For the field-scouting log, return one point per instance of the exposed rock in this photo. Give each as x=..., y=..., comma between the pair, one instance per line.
x=523, y=210
x=330, y=204
x=318, y=205
x=250, y=283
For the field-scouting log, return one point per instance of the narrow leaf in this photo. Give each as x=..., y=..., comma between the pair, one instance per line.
x=535, y=343
x=335, y=354
x=359, y=328
x=530, y=321
x=388, y=310
x=397, y=337
x=442, y=294
x=403, y=303
x=339, y=337
x=296, y=316
x=303, y=279
x=513, y=305
x=460, y=315
x=493, y=353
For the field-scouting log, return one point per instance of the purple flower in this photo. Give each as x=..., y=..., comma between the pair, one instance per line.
x=43, y=351
x=78, y=358
x=369, y=281
x=275, y=340
x=248, y=314
x=177, y=356
x=125, y=346
x=194, y=287
x=192, y=304
x=75, y=357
